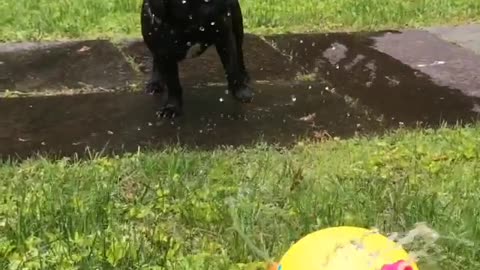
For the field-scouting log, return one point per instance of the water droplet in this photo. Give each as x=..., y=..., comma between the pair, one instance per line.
x=212, y=23
x=189, y=43
x=220, y=99
x=301, y=41
x=201, y=28
x=184, y=1
x=294, y=98
x=229, y=14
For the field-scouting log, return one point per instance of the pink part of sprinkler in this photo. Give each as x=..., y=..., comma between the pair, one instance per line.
x=400, y=265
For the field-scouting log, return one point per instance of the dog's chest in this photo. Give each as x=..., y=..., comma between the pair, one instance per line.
x=196, y=12
x=200, y=18
x=188, y=30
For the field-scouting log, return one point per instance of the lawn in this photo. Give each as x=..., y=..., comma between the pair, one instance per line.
x=231, y=209
x=46, y=19
x=236, y=209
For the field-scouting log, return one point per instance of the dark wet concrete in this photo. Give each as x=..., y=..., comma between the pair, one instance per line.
x=100, y=64
x=58, y=65
x=364, y=83
x=264, y=63
x=353, y=65
x=122, y=122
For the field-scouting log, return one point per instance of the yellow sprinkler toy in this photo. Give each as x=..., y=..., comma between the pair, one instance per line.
x=345, y=248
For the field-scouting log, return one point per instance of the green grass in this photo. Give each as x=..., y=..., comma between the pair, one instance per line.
x=237, y=208
x=46, y=19
x=223, y=209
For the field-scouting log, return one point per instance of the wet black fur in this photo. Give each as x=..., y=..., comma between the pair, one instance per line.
x=171, y=27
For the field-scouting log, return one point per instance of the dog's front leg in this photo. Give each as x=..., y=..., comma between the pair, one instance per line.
x=237, y=28
x=156, y=85
x=168, y=71
x=226, y=46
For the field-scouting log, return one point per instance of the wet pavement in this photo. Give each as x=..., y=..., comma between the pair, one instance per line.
x=56, y=65
x=122, y=122
x=447, y=64
x=261, y=60
x=379, y=72
x=466, y=36
x=308, y=86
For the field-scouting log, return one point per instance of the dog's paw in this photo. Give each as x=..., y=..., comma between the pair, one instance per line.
x=154, y=88
x=170, y=110
x=243, y=94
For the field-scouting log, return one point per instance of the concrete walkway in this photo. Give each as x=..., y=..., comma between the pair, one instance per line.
x=310, y=86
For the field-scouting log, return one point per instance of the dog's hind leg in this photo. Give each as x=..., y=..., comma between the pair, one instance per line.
x=156, y=84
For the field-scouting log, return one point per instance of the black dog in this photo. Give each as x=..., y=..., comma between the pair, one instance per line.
x=174, y=30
